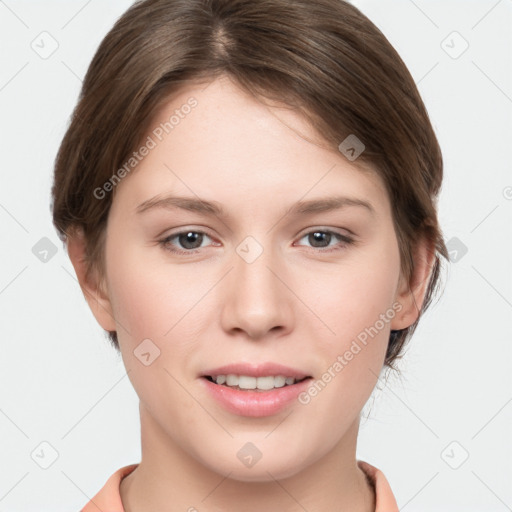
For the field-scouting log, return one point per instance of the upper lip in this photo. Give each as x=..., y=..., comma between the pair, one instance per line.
x=255, y=370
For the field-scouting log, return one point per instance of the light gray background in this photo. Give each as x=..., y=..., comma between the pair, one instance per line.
x=62, y=384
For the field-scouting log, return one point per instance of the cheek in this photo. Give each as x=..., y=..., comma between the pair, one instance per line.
x=353, y=297
x=152, y=304
x=149, y=298
x=356, y=303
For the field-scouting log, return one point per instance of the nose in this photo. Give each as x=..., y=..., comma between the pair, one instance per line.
x=256, y=299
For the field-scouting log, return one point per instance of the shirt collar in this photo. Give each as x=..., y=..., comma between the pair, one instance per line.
x=108, y=499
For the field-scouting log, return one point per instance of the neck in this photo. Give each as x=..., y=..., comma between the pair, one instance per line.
x=168, y=475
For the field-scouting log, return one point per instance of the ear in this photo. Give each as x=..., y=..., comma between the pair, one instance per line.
x=94, y=291
x=412, y=294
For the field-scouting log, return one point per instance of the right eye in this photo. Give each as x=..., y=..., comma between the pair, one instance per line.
x=190, y=240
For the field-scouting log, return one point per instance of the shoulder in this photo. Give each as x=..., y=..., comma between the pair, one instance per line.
x=108, y=498
x=385, y=500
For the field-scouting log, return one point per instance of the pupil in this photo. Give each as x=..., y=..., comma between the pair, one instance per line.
x=190, y=238
x=319, y=236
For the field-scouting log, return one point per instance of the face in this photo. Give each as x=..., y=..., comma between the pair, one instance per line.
x=222, y=249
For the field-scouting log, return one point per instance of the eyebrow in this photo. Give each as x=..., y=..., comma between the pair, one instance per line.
x=213, y=208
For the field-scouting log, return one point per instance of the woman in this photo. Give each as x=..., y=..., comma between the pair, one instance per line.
x=247, y=191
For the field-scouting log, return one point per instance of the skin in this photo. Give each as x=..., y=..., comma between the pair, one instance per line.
x=296, y=304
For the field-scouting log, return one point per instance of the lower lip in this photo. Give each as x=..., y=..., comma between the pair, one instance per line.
x=255, y=403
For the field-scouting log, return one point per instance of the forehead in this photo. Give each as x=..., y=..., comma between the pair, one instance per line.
x=214, y=139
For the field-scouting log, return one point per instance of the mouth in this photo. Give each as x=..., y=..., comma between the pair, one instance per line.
x=252, y=383
x=255, y=389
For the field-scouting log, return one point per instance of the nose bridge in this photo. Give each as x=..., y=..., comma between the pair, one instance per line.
x=256, y=285
x=252, y=267
x=257, y=300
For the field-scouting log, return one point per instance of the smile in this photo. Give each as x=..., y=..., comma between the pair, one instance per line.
x=248, y=382
x=251, y=400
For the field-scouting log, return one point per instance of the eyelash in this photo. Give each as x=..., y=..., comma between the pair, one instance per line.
x=345, y=241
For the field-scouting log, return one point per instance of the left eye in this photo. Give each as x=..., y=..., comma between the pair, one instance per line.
x=321, y=239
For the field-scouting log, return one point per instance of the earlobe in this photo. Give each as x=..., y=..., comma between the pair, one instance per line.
x=93, y=289
x=411, y=295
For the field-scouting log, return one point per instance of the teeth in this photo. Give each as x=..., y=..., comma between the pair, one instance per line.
x=248, y=382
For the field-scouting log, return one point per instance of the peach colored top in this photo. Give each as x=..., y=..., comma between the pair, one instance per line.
x=108, y=499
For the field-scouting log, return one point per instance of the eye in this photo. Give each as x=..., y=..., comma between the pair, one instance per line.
x=322, y=238
x=190, y=240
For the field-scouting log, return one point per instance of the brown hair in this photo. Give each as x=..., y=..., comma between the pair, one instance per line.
x=324, y=58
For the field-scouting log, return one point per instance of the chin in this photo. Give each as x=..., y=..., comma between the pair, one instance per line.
x=266, y=469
